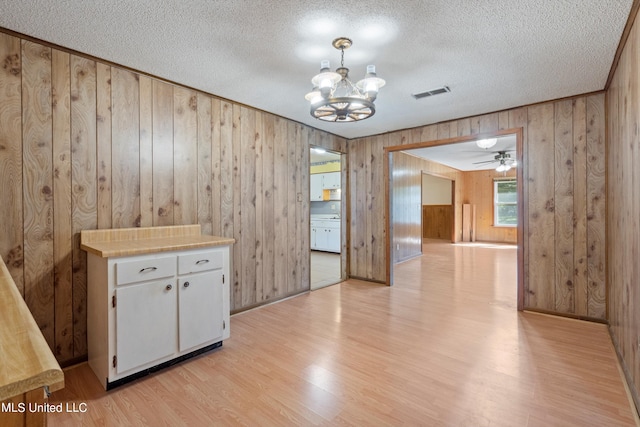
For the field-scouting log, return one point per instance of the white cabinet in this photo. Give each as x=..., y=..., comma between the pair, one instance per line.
x=145, y=323
x=316, y=187
x=323, y=181
x=325, y=235
x=331, y=180
x=144, y=311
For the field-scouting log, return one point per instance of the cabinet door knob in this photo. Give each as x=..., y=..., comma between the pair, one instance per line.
x=186, y=284
x=169, y=287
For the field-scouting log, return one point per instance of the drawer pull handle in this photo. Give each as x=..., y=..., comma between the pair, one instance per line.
x=202, y=261
x=144, y=270
x=186, y=284
x=169, y=287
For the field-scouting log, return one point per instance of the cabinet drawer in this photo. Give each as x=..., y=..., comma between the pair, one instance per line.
x=200, y=261
x=143, y=270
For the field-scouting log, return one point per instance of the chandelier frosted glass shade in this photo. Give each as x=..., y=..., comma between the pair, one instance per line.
x=335, y=98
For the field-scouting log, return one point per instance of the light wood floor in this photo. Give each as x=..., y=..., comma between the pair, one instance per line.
x=325, y=269
x=445, y=346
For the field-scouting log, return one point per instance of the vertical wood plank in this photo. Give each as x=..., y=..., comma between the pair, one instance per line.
x=580, y=205
x=489, y=123
x=62, y=234
x=11, y=210
x=216, y=176
x=162, y=153
x=281, y=208
x=540, y=294
x=185, y=153
x=104, y=143
x=247, y=193
x=378, y=212
x=268, y=208
x=303, y=238
x=38, y=185
x=145, y=86
x=293, y=282
x=236, y=179
x=503, y=120
x=596, y=205
x=370, y=193
x=563, y=196
x=258, y=139
x=205, y=165
x=125, y=149
x=226, y=169
x=84, y=187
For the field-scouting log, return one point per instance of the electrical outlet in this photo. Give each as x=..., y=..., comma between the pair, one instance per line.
x=397, y=246
x=333, y=206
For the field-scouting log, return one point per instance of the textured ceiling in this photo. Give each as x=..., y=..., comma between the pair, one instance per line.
x=492, y=54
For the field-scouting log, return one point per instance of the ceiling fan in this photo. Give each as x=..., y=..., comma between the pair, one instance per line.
x=504, y=160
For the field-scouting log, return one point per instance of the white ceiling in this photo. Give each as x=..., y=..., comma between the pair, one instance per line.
x=493, y=55
x=465, y=155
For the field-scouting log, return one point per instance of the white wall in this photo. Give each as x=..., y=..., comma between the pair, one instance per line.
x=435, y=190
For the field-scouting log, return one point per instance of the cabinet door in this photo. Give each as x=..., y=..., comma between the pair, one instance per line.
x=333, y=239
x=331, y=180
x=146, y=323
x=315, y=187
x=200, y=309
x=321, y=238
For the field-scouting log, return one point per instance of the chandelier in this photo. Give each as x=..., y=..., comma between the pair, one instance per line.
x=335, y=98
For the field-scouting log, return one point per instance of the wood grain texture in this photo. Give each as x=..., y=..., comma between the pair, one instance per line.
x=236, y=206
x=62, y=228
x=27, y=361
x=11, y=210
x=205, y=164
x=437, y=221
x=247, y=154
x=623, y=210
x=268, y=209
x=185, y=156
x=125, y=149
x=104, y=143
x=564, y=198
x=84, y=198
x=361, y=354
x=145, y=85
x=541, y=187
x=37, y=196
x=596, y=205
x=580, y=273
x=162, y=153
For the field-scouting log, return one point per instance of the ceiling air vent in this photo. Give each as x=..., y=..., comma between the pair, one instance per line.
x=432, y=92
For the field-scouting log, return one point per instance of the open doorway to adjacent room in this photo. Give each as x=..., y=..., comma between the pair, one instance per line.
x=485, y=176
x=326, y=217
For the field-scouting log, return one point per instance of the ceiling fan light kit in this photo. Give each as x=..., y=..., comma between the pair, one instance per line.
x=335, y=98
x=486, y=143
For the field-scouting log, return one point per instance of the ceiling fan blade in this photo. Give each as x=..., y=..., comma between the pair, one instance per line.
x=486, y=161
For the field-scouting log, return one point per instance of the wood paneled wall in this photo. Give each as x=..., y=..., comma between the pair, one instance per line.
x=406, y=200
x=623, y=212
x=437, y=221
x=563, y=191
x=86, y=145
x=478, y=191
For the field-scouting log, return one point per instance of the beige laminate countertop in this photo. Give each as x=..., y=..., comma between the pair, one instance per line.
x=137, y=241
x=26, y=362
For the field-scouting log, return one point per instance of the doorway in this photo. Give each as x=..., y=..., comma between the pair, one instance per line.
x=456, y=149
x=326, y=217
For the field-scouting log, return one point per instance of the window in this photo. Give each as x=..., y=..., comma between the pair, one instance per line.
x=505, y=208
